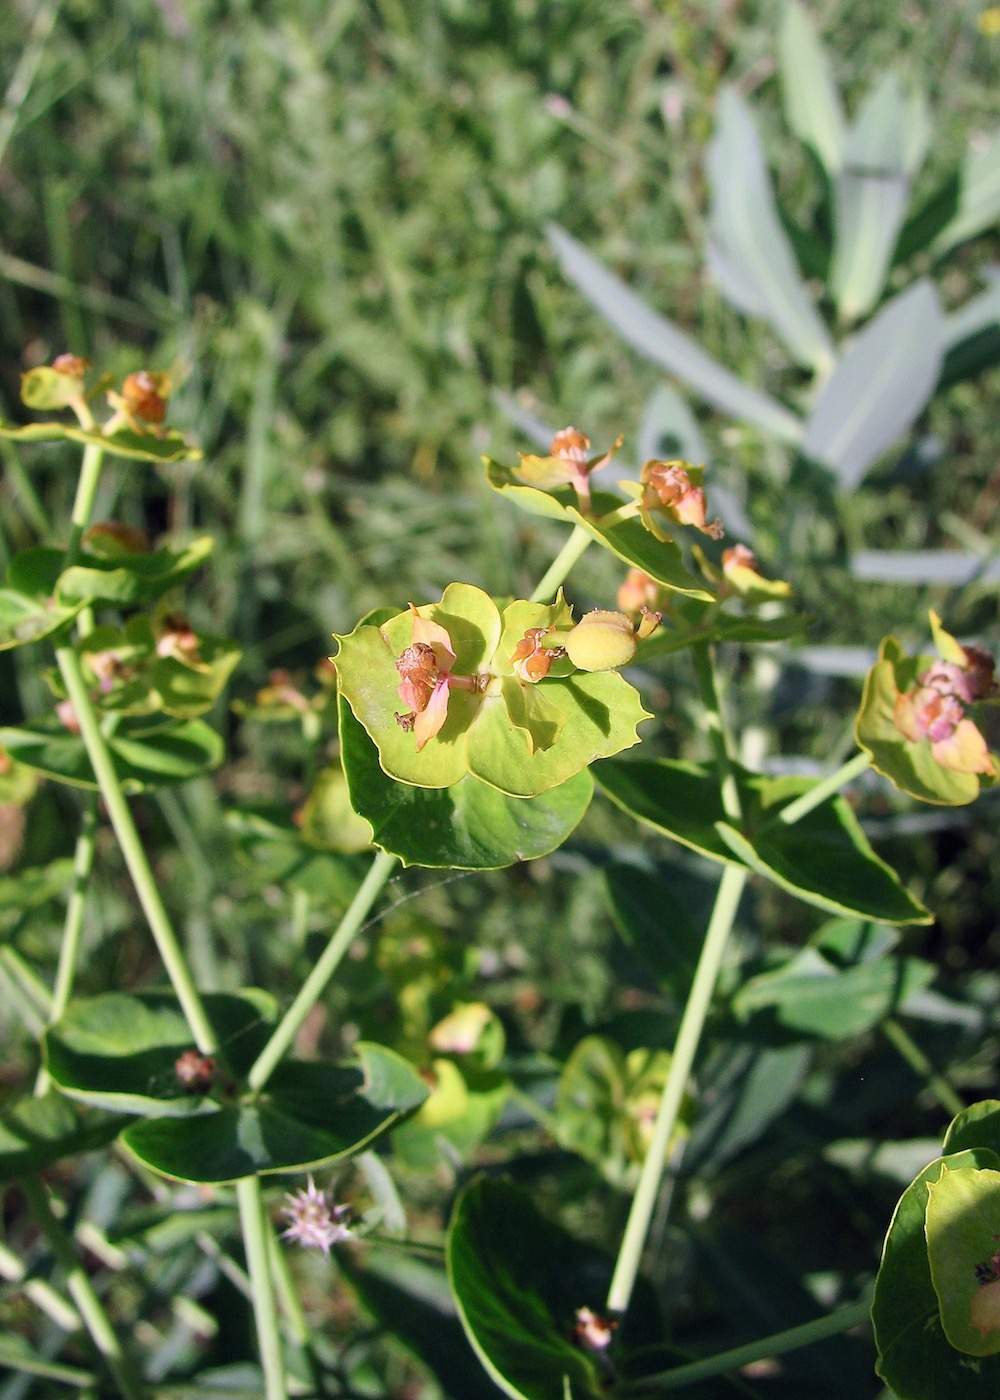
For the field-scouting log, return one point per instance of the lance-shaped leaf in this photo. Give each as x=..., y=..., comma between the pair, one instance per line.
x=979, y=197
x=749, y=251
x=813, y=996
x=824, y=859
x=147, y=752
x=879, y=386
x=660, y=341
x=468, y=826
x=915, y=1358
x=137, y=447
x=885, y=147
x=812, y=104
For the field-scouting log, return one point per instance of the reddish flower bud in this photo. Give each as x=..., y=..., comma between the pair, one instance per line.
x=669, y=488
x=145, y=395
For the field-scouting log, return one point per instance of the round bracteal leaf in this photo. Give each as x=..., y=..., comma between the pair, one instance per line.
x=915, y=1358
x=468, y=826
x=36, y=1133
x=963, y=1211
x=911, y=767
x=309, y=1114
x=824, y=859
x=627, y=537
x=119, y=1051
x=976, y=1126
x=518, y=1280
x=148, y=752
x=139, y=447
x=596, y=714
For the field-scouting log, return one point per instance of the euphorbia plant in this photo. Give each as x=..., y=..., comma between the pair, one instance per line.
x=468, y=728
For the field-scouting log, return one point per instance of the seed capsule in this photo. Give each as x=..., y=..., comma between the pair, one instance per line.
x=601, y=641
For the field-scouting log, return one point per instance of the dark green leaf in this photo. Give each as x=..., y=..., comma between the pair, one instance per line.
x=139, y=447
x=147, y=753
x=655, y=923
x=467, y=827
x=518, y=1280
x=309, y=1114
x=36, y=1133
x=914, y=1357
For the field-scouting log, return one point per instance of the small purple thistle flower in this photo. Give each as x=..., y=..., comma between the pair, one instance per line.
x=316, y=1221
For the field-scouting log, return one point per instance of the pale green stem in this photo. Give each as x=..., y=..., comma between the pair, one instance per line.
x=315, y=984
x=86, y=490
x=900, y=1038
x=706, y=975
x=42, y=1294
x=615, y=517
x=559, y=568
x=714, y=722
x=83, y=863
x=803, y=805
x=793, y=1339
x=300, y=917
x=81, y=1290
x=255, y=1237
x=132, y=851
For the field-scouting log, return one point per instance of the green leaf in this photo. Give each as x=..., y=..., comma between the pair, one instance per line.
x=885, y=146
x=575, y=719
x=810, y=995
x=47, y=390
x=627, y=538
x=130, y=579
x=749, y=251
x=37, y=1133
x=147, y=753
x=469, y=826
x=979, y=201
x=812, y=104
x=963, y=1208
x=463, y=1108
x=656, y=925
x=977, y=1126
x=138, y=447
x=278, y=854
x=914, y=1357
x=36, y=885
x=119, y=1051
x=597, y=714
x=517, y=1280
x=310, y=1114
x=29, y=609
x=879, y=387
x=661, y=342
x=824, y=859
x=912, y=767
x=411, y=1300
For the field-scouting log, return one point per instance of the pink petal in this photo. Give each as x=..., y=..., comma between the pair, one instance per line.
x=434, y=635
x=964, y=751
x=430, y=720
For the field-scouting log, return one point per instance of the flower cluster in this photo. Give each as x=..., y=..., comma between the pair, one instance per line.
x=315, y=1221
x=934, y=709
x=674, y=489
x=568, y=463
